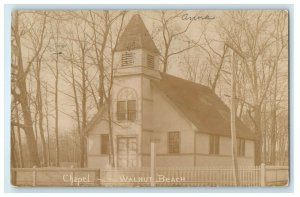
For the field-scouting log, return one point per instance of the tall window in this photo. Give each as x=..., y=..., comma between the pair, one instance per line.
x=104, y=144
x=127, y=59
x=241, y=147
x=126, y=105
x=174, y=142
x=214, y=142
x=121, y=110
x=126, y=110
x=131, y=110
x=150, y=61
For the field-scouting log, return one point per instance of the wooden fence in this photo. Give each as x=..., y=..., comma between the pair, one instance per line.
x=55, y=176
x=165, y=176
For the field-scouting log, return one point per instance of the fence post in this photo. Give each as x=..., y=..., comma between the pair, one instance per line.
x=153, y=163
x=262, y=174
x=72, y=175
x=14, y=176
x=98, y=173
x=34, y=176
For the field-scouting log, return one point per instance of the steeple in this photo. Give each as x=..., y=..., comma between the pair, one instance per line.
x=136, y=53
x=136, y=36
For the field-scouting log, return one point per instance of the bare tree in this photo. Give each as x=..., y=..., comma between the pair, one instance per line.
x=280, y=37
x=39, y=98
x=101, y=25
x=170, y=34
x=39, y=105
x=83, y=47
x=249, y=37
x=19, y=90
x=56, y=46
x=110, y=85
x=47, y=114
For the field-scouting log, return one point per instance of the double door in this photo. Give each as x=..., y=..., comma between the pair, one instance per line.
x=127, y=152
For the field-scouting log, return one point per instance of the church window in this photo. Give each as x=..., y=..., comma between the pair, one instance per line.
x=131, y=110
x=121, y=110
x=127, y=105
x=173, y=142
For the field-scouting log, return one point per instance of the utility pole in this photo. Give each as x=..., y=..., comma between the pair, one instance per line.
x=233, y=118
x=153, y=162
x=56, y=106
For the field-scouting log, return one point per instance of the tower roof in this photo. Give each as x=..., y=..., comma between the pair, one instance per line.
x=136, y=36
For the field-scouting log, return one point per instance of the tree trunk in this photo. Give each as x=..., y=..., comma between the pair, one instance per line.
x=31, y=142
x=165, y=64
x=111, y=141
x=19, y=139
x=258, y=135
x=274, y=119
x=13, y=157
x=233, y=120
x=84, y=117
x=23, y=97
x=47, y=126
x=56, y=111
x=214, y=84
x=39, y=101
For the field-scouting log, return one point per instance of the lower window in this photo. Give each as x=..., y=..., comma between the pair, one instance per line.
x=174, y=142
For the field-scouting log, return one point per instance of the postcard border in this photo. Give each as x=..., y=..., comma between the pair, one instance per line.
x=8, y=188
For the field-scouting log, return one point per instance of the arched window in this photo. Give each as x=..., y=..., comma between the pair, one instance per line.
x=127, y=105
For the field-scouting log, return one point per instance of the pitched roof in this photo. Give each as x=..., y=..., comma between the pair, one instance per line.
x=201, y=106
x=136, y=36
x=96, y=118
x=198, y=103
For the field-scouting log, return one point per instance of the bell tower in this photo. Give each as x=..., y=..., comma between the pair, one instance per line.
x=136, y=52
x=136, y=65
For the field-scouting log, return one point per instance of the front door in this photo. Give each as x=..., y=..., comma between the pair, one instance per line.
x=127, y=152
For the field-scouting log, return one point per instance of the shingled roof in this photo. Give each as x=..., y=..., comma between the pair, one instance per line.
x=136, y=36
x=201, y=106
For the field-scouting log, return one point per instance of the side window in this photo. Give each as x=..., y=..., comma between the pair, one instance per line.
x=214, y=143
x=104, y=144
x=241, y=147
x=174, y=142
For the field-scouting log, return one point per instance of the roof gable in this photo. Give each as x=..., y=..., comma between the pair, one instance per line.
x=136, y=36
x=201, y=106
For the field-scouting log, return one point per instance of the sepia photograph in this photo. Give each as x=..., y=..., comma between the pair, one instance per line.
x=149, y=98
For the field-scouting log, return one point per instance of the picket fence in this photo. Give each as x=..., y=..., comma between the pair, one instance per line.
x=165, y=176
